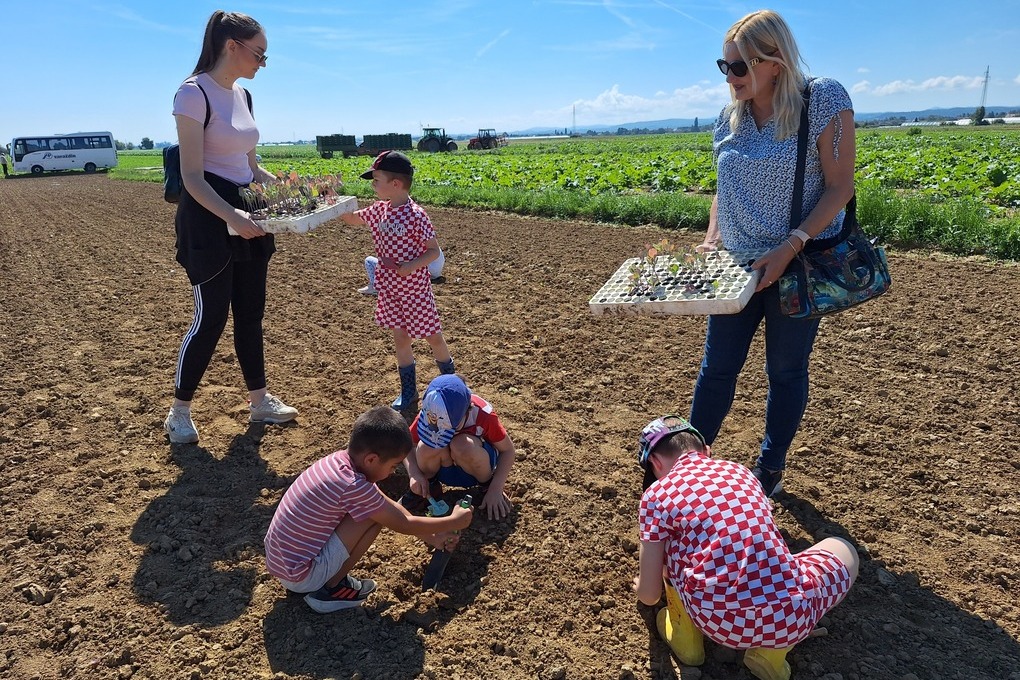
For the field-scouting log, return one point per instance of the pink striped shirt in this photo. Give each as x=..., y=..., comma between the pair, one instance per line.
x=313, y=507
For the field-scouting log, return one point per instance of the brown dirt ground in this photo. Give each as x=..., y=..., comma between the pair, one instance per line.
x=122, y=556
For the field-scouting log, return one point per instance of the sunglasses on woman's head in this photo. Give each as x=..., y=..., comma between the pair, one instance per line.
x=737, y=68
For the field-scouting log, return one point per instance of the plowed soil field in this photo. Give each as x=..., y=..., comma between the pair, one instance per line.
x=124, y=557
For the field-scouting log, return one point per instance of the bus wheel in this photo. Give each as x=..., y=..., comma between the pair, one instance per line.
x=90, y=168
x=37, y=169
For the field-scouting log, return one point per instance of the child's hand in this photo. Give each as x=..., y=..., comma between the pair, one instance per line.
x=388, y=263
x=463, y=517
x=444, y=540
x=496, y=503
x=405, y=269
x=419, y=485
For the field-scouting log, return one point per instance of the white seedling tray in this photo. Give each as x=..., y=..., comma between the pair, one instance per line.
x=302, y=224
x=675, y=294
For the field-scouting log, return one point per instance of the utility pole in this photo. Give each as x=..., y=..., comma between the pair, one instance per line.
x=979, y=115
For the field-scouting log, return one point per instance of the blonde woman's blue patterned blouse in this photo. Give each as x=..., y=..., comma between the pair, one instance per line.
x=755, y=172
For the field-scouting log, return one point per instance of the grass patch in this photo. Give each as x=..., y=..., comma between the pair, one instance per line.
x=962, y=227
x=653, y=180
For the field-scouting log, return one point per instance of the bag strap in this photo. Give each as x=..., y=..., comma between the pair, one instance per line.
x=798, y=177
x=850, y=217
x=208, y=108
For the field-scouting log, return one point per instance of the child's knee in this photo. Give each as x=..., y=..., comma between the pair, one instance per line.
x=844, y=550
x=471, y=456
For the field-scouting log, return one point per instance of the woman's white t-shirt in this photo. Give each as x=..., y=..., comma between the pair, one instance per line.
x=231, y=132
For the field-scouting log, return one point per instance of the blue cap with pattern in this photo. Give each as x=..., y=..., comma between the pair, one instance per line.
x=443, y=410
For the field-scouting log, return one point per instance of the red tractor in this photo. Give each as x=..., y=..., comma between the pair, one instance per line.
x=487, y=139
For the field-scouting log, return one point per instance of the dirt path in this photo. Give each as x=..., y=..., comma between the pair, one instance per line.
x=123, y=557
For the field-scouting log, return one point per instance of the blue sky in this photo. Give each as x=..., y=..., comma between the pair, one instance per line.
x=390, y=66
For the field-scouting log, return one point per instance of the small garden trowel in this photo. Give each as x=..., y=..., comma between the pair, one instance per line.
x=439, y=508
x=440, y=558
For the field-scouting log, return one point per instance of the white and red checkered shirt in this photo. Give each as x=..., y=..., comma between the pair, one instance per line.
x=400, y=234
x=724, y=554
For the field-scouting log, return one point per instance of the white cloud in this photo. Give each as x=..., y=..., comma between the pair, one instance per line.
x=130, y=16
x=493, y=42
x=864, y=69
x=1017, y=80
x=943, y=83
x=688, y=16
x=614, y=106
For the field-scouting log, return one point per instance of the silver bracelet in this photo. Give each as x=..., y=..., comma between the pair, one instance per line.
x=790, y=243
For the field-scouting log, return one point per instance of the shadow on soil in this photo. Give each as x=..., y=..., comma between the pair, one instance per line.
x=209, y=521
x=381, y=639
x=890, y=625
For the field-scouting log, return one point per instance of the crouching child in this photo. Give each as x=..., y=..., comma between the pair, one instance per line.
x=707, y=533
x=334, y=510
x=459, y=442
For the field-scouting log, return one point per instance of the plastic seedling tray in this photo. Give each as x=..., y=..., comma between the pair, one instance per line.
x=722, y=284
x=302, y=224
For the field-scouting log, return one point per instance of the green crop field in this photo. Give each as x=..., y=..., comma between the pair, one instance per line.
x=957, y=189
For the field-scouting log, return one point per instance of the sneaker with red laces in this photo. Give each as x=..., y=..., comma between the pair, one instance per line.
x=350, y=592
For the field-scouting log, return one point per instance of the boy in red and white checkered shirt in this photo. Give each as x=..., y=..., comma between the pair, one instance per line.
x=706, y=528
x=405, y=244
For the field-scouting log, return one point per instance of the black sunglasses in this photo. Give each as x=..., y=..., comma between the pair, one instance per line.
x=737, y=68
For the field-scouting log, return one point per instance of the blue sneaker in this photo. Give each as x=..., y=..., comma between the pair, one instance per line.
x=350, y=592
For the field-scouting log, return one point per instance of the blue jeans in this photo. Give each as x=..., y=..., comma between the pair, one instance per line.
x=788, y=344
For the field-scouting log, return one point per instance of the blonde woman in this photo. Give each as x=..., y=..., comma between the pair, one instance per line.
x=755, y=148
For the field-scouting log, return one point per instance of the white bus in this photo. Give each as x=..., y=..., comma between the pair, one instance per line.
x=86, y=151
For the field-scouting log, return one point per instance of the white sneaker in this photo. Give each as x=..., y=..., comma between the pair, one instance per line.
x=368, y=290
x=179, y=427
x=272, y=410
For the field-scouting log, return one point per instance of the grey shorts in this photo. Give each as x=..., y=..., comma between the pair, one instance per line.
x=324, y=567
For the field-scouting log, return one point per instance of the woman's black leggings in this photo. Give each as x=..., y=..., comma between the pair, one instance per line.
x=240, y=287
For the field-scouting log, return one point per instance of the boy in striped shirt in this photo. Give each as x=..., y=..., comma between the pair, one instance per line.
x=334, y=510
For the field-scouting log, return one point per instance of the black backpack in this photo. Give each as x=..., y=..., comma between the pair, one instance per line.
x=173, y=183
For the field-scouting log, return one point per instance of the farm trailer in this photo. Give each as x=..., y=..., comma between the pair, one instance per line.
x=327, y=145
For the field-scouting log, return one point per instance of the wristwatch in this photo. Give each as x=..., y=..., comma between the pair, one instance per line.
x=801, y=234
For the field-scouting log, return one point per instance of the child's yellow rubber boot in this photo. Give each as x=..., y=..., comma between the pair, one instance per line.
x=768, y=664
x=679, y=632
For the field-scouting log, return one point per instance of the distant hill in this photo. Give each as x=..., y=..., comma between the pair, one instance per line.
x=949, y=113
x=708, y=121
